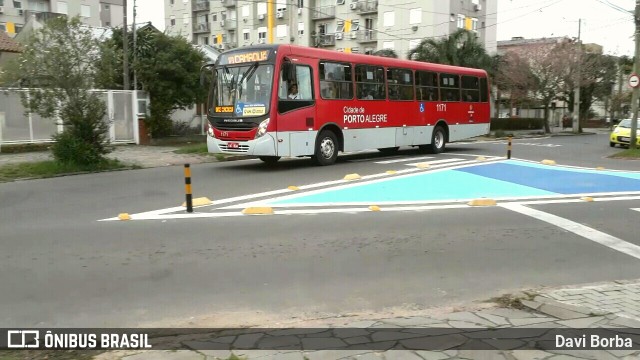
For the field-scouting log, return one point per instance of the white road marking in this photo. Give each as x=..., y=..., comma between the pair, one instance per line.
x=404, y=159
x=638, y=209
x=385, y=207
x=578, y=229
x=443, y=161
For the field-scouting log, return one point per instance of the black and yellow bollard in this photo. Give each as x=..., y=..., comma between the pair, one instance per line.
x=187, y=187
x=509, y=149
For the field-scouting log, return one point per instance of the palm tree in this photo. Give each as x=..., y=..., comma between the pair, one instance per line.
x=461, y=48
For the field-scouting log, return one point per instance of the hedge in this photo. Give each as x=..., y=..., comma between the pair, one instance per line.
x=517, y=124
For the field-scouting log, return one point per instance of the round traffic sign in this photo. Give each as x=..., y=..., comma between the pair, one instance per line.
x=634, y=80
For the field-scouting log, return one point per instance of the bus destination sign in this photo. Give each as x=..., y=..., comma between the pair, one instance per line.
x=244, y=57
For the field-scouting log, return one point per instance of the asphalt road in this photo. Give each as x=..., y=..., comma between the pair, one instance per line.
x=61, y=266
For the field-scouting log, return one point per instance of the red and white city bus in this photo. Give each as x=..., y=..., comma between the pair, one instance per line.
x=344, y=102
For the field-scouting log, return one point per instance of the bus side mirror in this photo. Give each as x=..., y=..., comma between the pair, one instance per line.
x=288, y=71
x=202, y=74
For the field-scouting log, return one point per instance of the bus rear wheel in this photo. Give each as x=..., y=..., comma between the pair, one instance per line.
x=326, y=148
x=269, y=159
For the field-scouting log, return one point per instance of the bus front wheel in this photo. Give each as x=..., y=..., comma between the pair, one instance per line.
x=269, y=159
x=326, y=148
x=438, y=140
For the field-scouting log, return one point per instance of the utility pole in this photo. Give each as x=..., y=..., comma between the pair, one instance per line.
x=135, y=48
x=636, y=66
x=576, y=104
x=125, y=51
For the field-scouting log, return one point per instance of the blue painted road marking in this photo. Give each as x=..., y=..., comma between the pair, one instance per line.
x=506, y=179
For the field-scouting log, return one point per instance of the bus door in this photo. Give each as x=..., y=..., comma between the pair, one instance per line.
x=296, y=107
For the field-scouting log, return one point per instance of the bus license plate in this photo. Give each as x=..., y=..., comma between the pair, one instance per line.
x=233, y=145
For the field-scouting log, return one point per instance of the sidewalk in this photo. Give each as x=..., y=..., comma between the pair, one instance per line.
x=598, y=306
x=144, y=156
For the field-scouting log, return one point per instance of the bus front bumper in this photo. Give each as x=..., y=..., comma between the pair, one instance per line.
x=263, y=146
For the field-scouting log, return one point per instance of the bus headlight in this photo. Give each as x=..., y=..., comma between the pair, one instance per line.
x=262, y=128
x=210, y=130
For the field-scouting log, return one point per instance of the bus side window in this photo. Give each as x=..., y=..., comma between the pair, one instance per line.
x=470, y=89
x=427, y=86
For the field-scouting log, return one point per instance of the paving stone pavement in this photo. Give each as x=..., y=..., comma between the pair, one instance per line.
x=144, y=156
x=549, y=309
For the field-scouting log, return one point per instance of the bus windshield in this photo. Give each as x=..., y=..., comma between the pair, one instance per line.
x=242, y=90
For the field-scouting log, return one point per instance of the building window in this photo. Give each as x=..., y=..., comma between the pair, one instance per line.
x=85, y=11
x=173, y=20
x=214, y=17
x=300, y=28
x=245, y=11
x=281, y=5
x=474, y=24
x=3, y=27
x=413, y=43
x=262, y=8
x=355, y=25
x=300, y=4
x=246, y=34
x=281, y=31
x=62, y=7
x=262, y=34
x=415, y=16
x=17, y=4
x=223, y=15
x=389, y=19
x=106, y=6
x=461, y=21
x=171, y=2
x=340, y=27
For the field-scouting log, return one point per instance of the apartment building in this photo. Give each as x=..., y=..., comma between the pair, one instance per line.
x=358, y=26
x=14, y=14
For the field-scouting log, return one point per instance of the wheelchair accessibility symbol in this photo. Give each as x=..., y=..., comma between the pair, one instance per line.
x=239, y=108
x=421, y=107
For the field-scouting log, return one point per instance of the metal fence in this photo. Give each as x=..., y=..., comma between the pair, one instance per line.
x=17, y=126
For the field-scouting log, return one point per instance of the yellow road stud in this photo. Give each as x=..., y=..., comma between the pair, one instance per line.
x=391, y=172
x=201, y=201
x=600, y=168
x=423, y=166
x=482, y=202
x=124, y=216
x=258, y=211
x=586, y=198
x=481, y=158
x=293, y=188
x=352, y=177
x=374, y=208
x=548, y=162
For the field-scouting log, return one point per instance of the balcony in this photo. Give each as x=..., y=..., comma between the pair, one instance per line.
x=326, y=40
x=42, y=16
x=229, y=3
x=367, y=7
x=201, y=28
x=229, y=24
x=230, y=45
x=325, y=12
x=366, y=36
x=200, y=6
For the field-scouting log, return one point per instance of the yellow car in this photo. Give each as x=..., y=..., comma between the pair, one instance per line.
x=621, y=134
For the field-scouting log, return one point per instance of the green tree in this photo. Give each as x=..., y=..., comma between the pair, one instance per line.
x=597, y=75
x=386, y=53
x=167, y=67
x=461, y=48
x=58, y=64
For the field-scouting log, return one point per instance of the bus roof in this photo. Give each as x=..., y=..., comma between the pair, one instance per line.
x=324, y=54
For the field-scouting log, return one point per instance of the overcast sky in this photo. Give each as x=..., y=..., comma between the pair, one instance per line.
x=602, y=21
